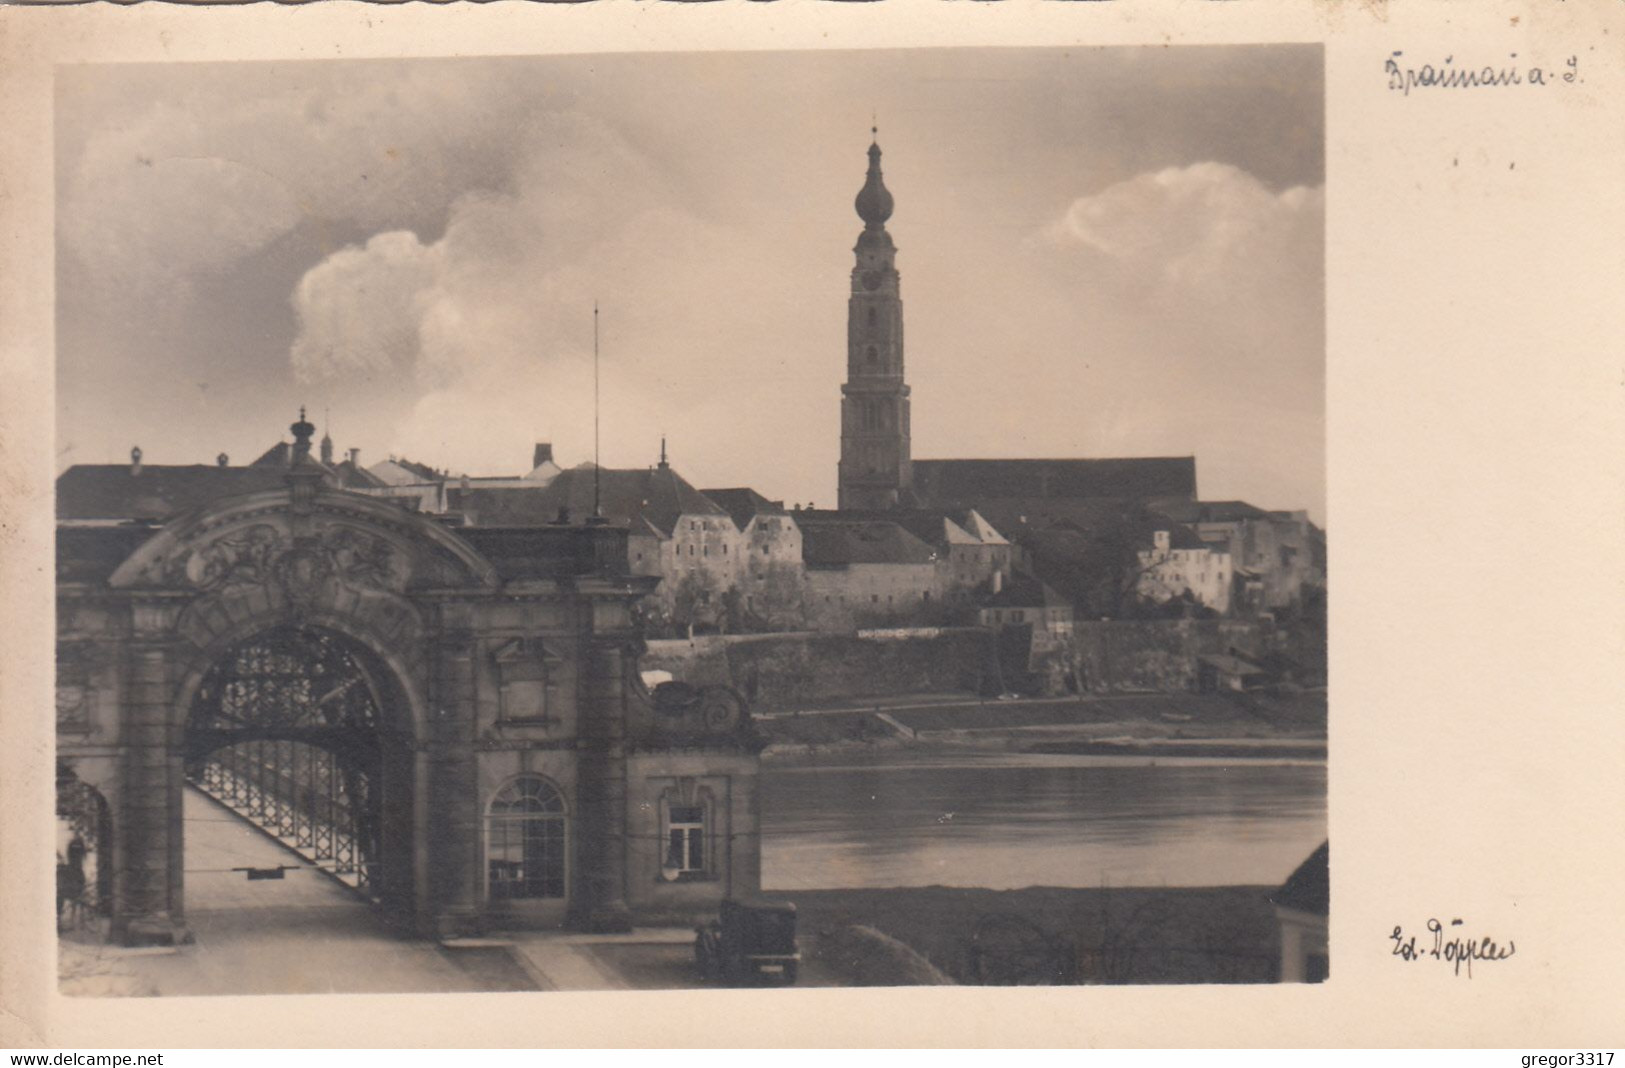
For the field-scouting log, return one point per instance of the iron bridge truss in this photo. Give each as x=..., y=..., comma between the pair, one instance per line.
x=284, y=732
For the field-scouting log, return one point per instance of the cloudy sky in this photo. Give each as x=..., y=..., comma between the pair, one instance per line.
x=1111, y=252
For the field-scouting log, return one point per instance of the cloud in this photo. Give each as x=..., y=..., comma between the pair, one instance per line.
x=359, y=308
x=418, y=246
x=1207, y=288
x=491, y=324
x=186, y=178
x=148, y=206
x=1200, y=225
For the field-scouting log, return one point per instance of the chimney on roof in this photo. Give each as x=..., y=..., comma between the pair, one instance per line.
x=663, y=464
x=135, y=460
x=542, y=455
x=222, y=460
x=355, y=457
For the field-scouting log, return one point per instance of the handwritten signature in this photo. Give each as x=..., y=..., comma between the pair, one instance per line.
x=1456, y=951
x=1447, y=75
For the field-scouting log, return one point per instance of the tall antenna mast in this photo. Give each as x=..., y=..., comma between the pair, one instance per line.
x=597, y=509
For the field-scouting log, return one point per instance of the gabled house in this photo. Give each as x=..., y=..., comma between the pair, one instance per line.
x=865, y=572
x=674, y=531
x=1178, y=563
x=1023, y=598
x=969, y=551
x=772, y=577
x=1302, y=904
x=1283, y=553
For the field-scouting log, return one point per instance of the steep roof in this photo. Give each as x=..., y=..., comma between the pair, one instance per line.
x=550, y=552
x=158, y=492
x=980, y=528
x=93, y=553
x=352, y=475
x=934, y=526
x=743, y=504
x=1179, y=537
x=946, y=482
x=839, y=543
x=1023, y=590
x=278, y=455
x=1309, y=888
x=398, y=471
x=655, y=496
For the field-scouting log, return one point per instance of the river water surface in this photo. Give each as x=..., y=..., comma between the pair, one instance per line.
x=1005, y=821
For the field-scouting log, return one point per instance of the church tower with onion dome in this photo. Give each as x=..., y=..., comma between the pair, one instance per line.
x=874, y=469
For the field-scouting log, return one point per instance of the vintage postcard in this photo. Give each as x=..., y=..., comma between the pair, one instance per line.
x=602, y=512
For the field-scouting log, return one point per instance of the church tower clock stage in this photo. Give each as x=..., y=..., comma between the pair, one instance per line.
x=874, y=470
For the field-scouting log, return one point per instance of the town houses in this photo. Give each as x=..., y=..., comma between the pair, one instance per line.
x=925, y=542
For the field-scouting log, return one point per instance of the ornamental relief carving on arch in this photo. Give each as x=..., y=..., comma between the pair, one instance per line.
x=264, y=554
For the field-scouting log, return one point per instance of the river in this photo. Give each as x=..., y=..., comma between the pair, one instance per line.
x=1005, y=821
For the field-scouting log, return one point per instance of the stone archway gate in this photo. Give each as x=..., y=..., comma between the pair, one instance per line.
x=144, y=614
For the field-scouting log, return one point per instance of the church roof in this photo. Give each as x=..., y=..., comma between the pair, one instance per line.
x=1210, y=511
x=969, y=482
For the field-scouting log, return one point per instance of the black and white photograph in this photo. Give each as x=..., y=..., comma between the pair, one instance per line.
x=506, y=539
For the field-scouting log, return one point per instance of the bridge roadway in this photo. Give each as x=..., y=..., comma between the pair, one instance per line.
x=301, y=934
x=307, y=934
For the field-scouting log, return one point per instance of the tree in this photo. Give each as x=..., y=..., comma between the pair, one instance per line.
x=697, y=602
x=1098, y=566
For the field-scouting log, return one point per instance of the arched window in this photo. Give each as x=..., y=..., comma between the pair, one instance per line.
x=527, y=836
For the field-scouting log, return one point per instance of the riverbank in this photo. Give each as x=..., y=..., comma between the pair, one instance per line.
x=1052, y=936
x=1234, y=726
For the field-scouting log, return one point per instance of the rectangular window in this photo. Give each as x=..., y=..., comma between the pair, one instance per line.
x=685, y=839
